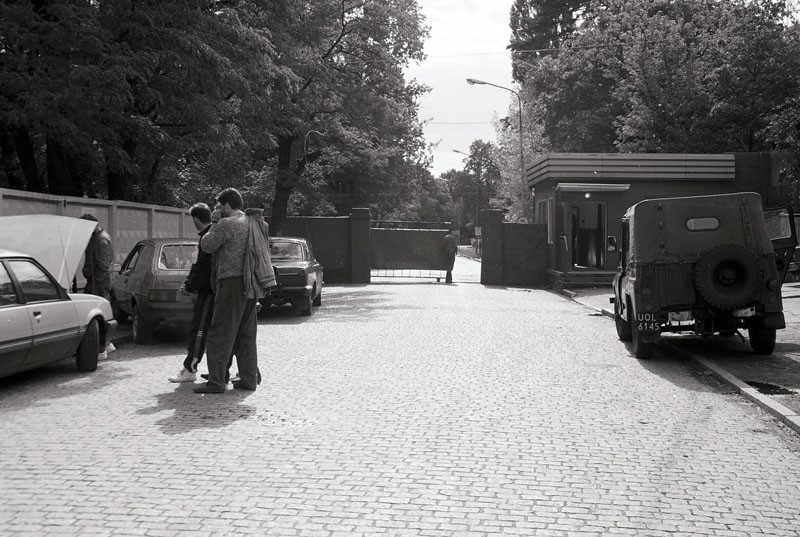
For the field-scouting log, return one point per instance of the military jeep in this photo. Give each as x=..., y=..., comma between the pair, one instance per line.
x=702, y=264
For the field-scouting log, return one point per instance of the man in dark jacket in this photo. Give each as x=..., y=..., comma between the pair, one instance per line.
x=97, y=261
x=199, y=282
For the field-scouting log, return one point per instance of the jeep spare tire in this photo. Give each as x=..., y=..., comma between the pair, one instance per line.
x=728, y=276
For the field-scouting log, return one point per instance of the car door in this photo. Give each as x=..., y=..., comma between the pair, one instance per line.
x=16, y=329
x=55, y=323
x=128, y=280
x=782, y=233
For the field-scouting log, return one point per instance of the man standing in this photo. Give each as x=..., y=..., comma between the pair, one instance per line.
x=450, y=247
x=199, y=282
x=233, y=324
x=97, y=261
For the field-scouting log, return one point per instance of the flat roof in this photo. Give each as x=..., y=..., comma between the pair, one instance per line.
x=605, y=167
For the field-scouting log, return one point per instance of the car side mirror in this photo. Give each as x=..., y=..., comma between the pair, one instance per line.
x=611, y=243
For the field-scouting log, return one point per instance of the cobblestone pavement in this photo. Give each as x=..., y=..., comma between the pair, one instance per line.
x=777, y=375
x=400, y=409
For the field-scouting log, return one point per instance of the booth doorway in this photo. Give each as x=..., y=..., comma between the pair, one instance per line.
x=588, y=235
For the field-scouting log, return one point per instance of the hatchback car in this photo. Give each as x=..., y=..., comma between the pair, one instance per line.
x=41, y=322
x=147, y=288
x=298, y=273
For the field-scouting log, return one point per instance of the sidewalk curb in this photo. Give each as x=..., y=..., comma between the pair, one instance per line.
x=785, y=415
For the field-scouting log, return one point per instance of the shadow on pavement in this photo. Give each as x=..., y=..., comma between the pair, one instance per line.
x=191, y=411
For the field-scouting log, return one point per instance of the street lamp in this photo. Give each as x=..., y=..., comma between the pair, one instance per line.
x=305, y=141
x=474, y=81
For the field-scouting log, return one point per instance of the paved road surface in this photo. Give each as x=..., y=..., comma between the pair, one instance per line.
x=417, y=409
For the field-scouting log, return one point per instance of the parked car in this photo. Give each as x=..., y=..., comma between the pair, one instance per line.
x=147, y=288
x=41, y=322
x=702, y=264
x=298, y=273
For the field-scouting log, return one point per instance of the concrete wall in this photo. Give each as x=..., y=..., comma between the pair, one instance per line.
x=341, y=244
x=330, y=239
x=126, y=222
x=512, y=253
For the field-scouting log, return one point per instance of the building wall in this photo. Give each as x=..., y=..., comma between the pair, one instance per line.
x=648, y=176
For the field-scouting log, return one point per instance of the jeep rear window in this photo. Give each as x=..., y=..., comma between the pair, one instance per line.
x=707, y=223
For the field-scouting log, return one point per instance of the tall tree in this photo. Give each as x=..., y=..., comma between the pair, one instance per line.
x=348, y=58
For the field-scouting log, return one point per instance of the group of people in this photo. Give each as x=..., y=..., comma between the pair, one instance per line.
x=232, y=272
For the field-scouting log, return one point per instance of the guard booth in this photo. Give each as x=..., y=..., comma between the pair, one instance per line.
x=408, y=249
x=581, y=198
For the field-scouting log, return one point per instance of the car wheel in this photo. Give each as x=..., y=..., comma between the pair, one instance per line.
x=119, y=315
x=727, y=276
x=318, y=299
x=623, y=326
x=762, y=338
x=641, y=349
x=140, y=328
x=304, y=305
x=86, y=358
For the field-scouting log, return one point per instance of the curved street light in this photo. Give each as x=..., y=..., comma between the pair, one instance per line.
x=475, y=81
x=305, y=141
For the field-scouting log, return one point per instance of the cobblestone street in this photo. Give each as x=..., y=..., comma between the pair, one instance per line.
x=400, y=409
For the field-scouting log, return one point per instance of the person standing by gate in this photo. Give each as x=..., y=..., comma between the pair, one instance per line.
x=233, y=324
x=450, y=247
x=199, y=282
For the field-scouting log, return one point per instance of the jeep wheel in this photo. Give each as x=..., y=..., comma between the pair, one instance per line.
x=623, y=327
x=641, y=349
x=727, y=276
x=762, y=339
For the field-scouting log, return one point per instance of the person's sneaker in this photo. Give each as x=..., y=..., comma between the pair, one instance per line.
x=110, y=347
x=102, y=356
x=184, y=376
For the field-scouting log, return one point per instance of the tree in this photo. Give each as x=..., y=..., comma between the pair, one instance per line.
x=348, y=59
x=539, y=27
x=666, y=76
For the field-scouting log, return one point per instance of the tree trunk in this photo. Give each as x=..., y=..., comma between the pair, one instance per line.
x=13, y=178
x=61, y=174
x=27, y=160
x=284, y=185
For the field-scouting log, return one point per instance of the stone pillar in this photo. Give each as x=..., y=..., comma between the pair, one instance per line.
x=492, y=256
x=360, y=246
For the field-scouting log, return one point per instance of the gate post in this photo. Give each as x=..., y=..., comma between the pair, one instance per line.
x=360, y=246
x=492, y=252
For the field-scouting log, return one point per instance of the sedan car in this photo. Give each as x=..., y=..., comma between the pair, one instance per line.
x=147, y=288
x=298, y=273
x=41, y=322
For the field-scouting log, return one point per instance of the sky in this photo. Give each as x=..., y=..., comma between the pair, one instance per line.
x=468, y=39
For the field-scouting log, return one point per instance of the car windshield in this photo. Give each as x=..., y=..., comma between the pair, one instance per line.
x=177, y=256
x=285, y=250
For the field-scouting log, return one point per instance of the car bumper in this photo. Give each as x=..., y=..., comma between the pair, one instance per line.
x=294, y=291
x=169, y=313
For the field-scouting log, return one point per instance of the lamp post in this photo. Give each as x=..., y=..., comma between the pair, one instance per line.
x=473, y=82
x=305, y=141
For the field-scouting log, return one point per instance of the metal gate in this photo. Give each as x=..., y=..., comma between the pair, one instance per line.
x=408, y=249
